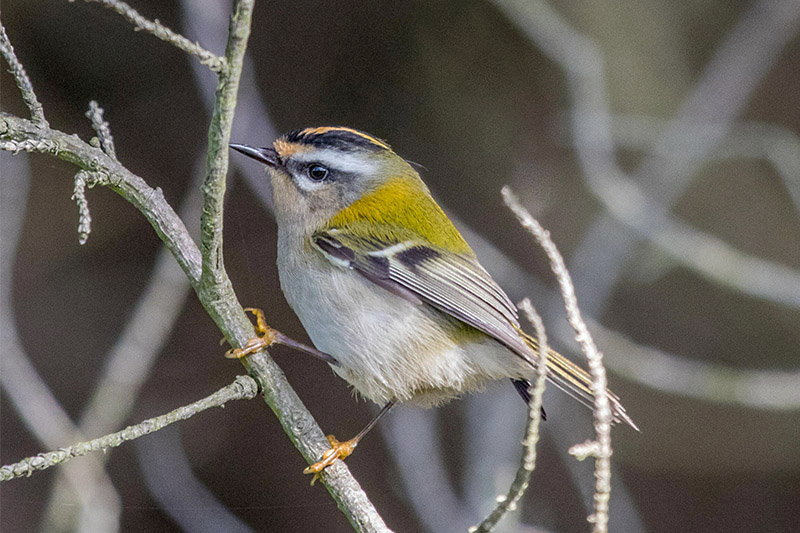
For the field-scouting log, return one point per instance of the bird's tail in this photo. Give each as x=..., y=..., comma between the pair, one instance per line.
x=576, y=382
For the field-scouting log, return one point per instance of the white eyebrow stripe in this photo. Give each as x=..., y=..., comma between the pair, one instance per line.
x=354, y=163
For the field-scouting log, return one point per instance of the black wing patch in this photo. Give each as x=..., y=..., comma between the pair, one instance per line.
x=375, y=269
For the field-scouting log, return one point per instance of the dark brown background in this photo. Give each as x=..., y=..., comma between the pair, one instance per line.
x=456, y=87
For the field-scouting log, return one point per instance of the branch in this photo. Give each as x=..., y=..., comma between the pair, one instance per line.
x=154, y=27
x=214, y=280
x=82, y=180
x=21, y=77
x=508, y=502
x=101, y=127
x=602, y=409
x=243, y=387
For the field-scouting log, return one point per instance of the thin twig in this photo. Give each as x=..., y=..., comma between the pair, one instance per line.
x=21, y=77
x=243, y=387
x=154, y=27
x=18, y=134
x=101, y=127
x=508, y=502
x=602, y=408
x=209, y=23
x=84, y=179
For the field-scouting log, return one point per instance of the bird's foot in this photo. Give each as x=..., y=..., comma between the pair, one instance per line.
x=266, y=337
x=338, y=450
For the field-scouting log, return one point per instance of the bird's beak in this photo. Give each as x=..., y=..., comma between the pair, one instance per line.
x=268, y=156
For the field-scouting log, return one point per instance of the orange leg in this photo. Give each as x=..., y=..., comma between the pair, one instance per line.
x=268, y=336
x=342, y=450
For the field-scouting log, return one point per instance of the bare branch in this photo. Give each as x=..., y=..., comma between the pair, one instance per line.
x=243, y=387
x=508, y=502
x=84, y=179
x=214, y=277
x=21, y=77
x=101, y=127
x=212, y=61
x=602, y=408
x=255, y=123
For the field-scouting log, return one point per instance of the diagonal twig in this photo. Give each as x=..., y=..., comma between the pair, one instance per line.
x=22, y=79
x=601, y=447
x=243, y=387
x=508, y=502
x=154, y=27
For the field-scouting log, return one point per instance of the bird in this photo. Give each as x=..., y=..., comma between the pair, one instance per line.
x=387, y=289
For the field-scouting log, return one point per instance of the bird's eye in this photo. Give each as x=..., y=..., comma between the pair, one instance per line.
x=317, y=172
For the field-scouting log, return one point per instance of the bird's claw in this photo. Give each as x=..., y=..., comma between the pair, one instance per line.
x=266, y=337
x=338, y=450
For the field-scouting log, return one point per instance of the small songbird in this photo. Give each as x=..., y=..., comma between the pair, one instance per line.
x=385, y=286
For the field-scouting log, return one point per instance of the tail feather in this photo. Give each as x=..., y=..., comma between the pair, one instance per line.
x=576, y=382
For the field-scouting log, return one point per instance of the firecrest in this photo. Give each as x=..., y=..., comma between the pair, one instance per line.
x=386, y=287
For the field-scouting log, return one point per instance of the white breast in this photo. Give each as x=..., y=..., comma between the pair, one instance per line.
x=388, y=347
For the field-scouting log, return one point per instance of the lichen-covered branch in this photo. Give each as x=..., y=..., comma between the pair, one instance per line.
x=84, y=179
x=214, y=277
x=243, y=388
x=21, y=78
x=101, y=127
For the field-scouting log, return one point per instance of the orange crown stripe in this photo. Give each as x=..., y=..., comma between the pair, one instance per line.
x=326, y=129
x=287, y=149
